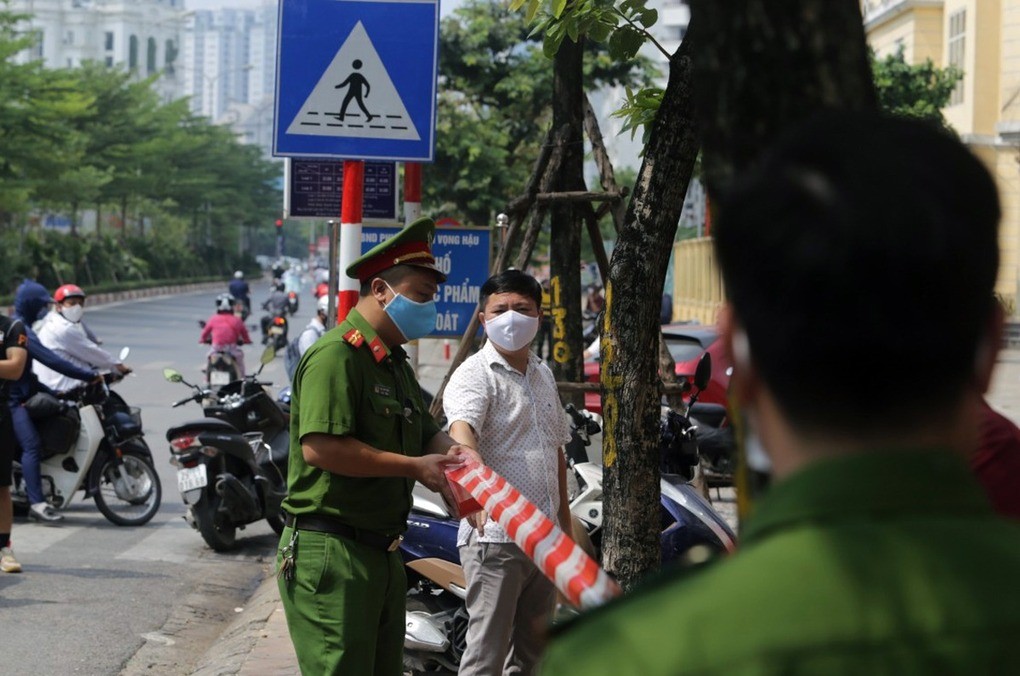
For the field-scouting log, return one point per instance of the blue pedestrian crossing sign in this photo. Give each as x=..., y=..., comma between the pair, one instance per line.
x=356, y=79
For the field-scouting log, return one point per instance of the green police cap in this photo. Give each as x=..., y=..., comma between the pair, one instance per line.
x=410, y=246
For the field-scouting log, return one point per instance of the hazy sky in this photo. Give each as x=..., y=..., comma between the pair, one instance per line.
x=445, y=6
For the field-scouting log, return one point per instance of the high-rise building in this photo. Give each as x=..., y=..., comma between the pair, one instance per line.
x=140, y=35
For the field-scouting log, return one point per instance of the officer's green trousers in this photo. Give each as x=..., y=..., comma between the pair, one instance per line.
x=344, y=606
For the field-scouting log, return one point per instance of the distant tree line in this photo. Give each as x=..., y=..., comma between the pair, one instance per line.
x=171, y=194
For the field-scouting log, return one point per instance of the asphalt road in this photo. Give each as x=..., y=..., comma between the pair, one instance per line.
x=95, y=598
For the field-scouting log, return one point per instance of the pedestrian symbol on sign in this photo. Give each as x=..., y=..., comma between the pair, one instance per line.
x=358, y=69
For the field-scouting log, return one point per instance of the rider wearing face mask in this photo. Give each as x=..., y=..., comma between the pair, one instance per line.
x=503, y=402
x=63, y=332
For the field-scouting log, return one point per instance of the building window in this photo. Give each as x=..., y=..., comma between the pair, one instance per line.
x=36, y=51
x=957, y=44
x=109, y=62
x=133, y=52
x=69, y=38
x=150, y=57
x=108, y=43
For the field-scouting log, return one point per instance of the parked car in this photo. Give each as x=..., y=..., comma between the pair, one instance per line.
x=686, y=343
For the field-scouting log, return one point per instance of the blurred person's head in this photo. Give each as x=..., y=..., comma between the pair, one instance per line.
x=859, y=259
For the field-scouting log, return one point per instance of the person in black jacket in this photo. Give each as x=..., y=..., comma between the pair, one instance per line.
x=12, y=365
x=31, y=302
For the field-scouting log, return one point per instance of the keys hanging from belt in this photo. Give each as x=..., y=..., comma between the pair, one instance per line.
x=287, y=554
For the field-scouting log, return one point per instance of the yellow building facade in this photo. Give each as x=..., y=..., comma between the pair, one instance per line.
x=981, y=38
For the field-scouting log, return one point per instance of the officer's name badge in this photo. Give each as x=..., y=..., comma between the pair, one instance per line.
x=383, y=390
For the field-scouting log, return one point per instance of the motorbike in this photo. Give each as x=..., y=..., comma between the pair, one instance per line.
x=716, y=444
x=274, y=330
x=292, y=303
x=220, y=365
x=232, y=464
x=93, y=441
x=436, y=617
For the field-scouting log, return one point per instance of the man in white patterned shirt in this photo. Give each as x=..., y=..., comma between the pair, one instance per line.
x=503, y=402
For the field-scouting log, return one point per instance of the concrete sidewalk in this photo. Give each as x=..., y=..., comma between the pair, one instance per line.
x=257, y=642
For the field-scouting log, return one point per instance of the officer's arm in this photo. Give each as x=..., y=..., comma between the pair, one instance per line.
x=348, y=456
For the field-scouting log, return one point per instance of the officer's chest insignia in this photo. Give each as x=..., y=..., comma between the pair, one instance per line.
x=383, y=390
x=354, y=337
x=378, y=349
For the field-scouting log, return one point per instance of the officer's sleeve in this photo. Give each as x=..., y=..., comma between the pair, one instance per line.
x=467, y=396
x=329, y=389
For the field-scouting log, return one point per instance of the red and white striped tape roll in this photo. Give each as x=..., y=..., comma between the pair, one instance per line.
x=573, y=572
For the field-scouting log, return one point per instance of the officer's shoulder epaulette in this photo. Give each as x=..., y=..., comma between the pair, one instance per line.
x=354, y=337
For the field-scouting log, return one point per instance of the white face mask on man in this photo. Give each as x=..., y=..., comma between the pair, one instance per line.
x=73, y=313
x=511, y=331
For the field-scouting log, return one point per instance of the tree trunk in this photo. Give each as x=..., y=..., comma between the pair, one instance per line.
x=565, y=236
x=763, y=65
x=630, y=331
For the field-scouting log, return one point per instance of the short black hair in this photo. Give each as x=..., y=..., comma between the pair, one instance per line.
x=512, y=281
x=392, y=276
x=860, y=257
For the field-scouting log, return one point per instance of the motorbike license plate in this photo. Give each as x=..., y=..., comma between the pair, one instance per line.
x=219, y=378
x=190, y=478
x=275, y=331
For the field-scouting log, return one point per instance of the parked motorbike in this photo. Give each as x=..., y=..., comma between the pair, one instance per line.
x=436, y=617
x=292, y=303
x=716, y=443
x=232, y=464
x=93, y=441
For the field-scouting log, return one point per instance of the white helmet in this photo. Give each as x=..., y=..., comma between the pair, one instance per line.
x=238, y=275
x=224, y=302
x=322, y=305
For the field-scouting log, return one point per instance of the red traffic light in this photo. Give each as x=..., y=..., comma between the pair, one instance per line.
x=279, y=223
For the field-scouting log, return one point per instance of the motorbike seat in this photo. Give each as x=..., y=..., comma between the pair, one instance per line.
x=198, y=426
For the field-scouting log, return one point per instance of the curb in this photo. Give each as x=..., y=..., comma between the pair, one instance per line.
x=100, y=299
x=238, y=640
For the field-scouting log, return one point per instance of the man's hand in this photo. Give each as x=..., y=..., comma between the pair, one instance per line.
x=123, y=369
x=478, y=520
x=430, y=472
x=465, y=453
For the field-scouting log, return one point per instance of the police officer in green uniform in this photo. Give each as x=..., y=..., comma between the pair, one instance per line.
x=859, y=261
x=360, y=437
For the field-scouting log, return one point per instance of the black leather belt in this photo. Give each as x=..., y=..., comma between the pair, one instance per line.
x=324, y=524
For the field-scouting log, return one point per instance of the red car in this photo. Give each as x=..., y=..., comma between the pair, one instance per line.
x=686, y=343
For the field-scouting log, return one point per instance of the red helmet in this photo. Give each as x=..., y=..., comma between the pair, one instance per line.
x=68, y=291
x=321, y=290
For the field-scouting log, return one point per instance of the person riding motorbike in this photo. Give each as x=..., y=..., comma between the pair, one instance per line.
x=225, y=331
x=31, y=302
x=240, y=290
x=276, y=305
x=62, y=332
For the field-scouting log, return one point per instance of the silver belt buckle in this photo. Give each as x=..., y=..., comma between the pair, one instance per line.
x=395, y=544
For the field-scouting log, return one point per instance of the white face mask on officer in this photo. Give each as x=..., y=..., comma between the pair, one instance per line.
x=511, y=330
x=73, y=313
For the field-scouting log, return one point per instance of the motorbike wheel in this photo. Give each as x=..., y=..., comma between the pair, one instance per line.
x=216, y=529
x=128, y=491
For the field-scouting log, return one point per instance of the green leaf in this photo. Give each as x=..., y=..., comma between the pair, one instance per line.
x=552, y=43
x=557, y=7
x=648, y=18
x=516, y=5
x=533, y=6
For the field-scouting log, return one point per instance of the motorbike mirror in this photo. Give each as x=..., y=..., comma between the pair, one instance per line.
x=268, y=355
x=124, y=352
x=173, y=376
x=703, y=372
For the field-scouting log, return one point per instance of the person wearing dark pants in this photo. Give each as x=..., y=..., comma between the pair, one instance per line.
x=12, y=365
x=30, y=303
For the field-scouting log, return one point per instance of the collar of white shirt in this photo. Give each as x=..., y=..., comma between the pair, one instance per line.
x=493, y=357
